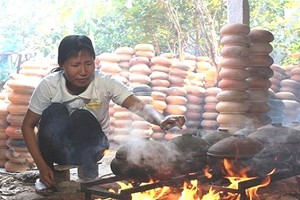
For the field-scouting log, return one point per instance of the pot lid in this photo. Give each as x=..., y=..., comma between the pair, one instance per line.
x=215, y=136
x=236, y=146
x=188, y=143
x=139, y=149
x=276, y=133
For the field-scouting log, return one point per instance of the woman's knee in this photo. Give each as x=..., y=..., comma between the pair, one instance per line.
x=55, y=109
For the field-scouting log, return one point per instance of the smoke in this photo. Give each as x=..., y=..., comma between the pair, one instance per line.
x=156, y=155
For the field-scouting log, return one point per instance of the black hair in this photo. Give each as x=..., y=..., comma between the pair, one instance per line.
x=70, y=46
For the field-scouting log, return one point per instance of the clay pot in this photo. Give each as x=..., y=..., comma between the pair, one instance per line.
x=192, y=153
x=281, y=142
x=236, y=149
x=141, y=160
x=215, y=136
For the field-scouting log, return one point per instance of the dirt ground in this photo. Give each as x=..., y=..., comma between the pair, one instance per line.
x=21, y=186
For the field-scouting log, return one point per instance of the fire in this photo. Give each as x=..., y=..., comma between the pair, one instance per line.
x=206, y=172
x=191, y=189
x=235, y=179
x=211, y=195
x=152, y=194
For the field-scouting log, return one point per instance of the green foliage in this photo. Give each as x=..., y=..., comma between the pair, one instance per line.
x=281, y=17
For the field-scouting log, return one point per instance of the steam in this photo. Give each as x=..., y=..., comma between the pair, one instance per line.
x=155, y=155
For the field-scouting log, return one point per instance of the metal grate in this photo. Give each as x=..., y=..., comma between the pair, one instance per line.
x=98, y=188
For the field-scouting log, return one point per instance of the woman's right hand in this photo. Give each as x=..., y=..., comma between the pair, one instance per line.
x=47, y=176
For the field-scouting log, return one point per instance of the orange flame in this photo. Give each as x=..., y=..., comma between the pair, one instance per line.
x=252, y=192
x=152, y=194
x=211, y=195
x=206, y=172
x=235, y=178
x=192, y=190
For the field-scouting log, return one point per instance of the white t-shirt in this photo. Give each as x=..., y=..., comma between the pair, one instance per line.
x=95, y=98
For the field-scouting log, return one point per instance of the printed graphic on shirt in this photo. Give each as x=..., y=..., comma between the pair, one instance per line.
x=93, y=105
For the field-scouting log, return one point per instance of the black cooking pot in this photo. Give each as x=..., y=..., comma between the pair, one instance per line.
x=192, y=151
x=281, y=144
x=141, y=160
x=238, y=150
x=215, y=136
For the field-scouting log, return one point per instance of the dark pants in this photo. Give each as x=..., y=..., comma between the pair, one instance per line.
x=75, y=139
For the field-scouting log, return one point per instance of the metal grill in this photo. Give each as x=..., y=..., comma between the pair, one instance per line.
x=99, y=187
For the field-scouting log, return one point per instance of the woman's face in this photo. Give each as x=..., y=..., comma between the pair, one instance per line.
x=79, y=71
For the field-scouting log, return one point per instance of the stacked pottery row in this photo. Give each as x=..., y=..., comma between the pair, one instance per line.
x=135, y=69
x=289, y=95
x=176, y=105
x=295, y=76
x=210, y=114
x=125, y=54
x=279, y=74
x=195, y=98
x=260, y=72
x=3, y=124
x=140, y=81
x=20, y=88
x=160, y=67
x=232, y=100
x=204, y=66
x=108, y=63
x=176, y=94
x=140, y=127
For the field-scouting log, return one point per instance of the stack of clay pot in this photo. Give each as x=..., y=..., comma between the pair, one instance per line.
x=194, y=107
x=139, y=71
x=279, y=74
x=195, y=96
x=210, y=114
x=139, y=80
x=34, y=68
x=160, y=67
x=178, y=73
x=176, y=105
x=140, y=127
x=288, y=70
x=109, y=63
x=203, y=65
x=233, y=105
x=21, y=88
x=289, y=95
x=176, y=93
x=120, y=123
x=260, y=72
x=3, y=124
x=277, y=106
x=144, y=50
x=295, y=76
x=125, y=54
x=190, y=60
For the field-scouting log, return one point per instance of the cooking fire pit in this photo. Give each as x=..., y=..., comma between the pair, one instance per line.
x=101, y=188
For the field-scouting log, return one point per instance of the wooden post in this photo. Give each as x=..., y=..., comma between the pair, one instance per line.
x=238, y=12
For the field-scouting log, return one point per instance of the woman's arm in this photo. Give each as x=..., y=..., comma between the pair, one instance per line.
x=30, y=121
x=150, y=114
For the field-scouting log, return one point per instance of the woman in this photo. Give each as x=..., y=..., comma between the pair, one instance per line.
x=71, y=108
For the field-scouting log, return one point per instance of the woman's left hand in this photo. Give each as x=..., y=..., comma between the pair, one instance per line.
x=171, y=121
